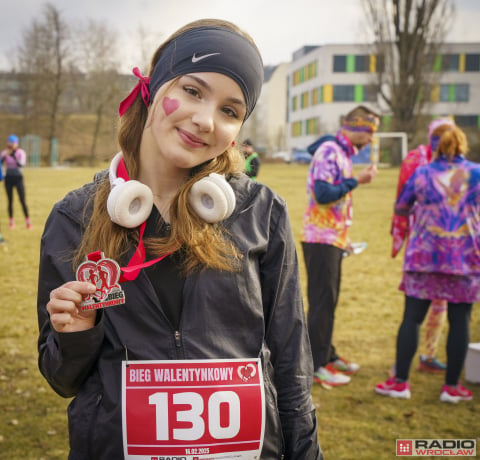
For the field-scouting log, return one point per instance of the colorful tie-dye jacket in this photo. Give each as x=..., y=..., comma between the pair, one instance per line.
x=445, y=235
x=420, y=156
x=329, y=223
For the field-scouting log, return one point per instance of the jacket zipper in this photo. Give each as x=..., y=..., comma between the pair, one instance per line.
x=177, y=337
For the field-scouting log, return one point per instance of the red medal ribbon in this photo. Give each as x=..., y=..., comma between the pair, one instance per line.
x=137, y=262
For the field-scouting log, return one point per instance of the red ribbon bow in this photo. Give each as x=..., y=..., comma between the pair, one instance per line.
x=142, y=86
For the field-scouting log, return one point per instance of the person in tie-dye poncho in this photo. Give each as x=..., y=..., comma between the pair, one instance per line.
x=442, y=258
x=437, y=312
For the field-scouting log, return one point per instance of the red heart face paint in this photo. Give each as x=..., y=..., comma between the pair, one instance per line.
x=170, y=105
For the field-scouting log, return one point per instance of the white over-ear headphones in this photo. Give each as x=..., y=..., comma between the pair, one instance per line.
x=130, y=202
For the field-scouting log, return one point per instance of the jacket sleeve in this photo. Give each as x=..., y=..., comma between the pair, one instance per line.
x=399, y=228
x=328, y=193
x=407, y=197
x=64, y=359
x=287, y=338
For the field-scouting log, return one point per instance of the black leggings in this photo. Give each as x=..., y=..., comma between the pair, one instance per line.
x=457, y=340
x=17, y=182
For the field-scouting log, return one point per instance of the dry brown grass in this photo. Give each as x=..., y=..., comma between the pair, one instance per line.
x=354, y=423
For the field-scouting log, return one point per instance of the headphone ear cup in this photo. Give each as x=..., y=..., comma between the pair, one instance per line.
x=227, y=190
x=129, y=204
x=212, y=198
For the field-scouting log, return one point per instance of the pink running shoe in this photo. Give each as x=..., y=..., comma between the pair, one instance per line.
x=394, y=389
x=455, y=394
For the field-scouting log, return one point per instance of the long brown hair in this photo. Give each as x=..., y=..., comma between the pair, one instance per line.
x=202, y=244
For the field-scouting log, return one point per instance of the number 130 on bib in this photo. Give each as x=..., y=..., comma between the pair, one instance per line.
x=192, y=410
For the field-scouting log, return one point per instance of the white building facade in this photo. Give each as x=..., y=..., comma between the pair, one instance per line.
x=326, y=82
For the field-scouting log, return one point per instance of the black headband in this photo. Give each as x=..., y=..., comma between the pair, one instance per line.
x=212, y=49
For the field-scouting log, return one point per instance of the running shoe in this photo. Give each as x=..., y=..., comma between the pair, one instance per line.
x=344, y=366
x=330, y=377
x=11, y=224
x=394, y=389
x=431, y=364
x=455, y=394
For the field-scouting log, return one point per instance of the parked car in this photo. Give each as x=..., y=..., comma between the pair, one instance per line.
x=301, y=156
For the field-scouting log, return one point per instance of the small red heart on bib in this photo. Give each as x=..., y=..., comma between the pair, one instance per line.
x=246, y=372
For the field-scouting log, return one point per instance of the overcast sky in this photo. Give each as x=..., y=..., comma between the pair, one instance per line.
x=278, y=26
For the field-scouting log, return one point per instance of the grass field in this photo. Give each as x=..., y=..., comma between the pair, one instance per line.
x=354, y=423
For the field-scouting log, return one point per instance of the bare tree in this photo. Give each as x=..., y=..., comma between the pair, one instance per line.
x=408, y=34
x=98, y=63
x=146, y=44
x=42, y=57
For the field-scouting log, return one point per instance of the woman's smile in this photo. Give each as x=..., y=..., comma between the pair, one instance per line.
x=190, y=139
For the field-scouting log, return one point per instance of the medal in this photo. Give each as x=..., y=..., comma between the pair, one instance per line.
x=104, y=273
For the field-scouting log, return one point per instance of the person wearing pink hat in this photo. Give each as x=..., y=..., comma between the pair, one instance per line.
x=15, y=158
x=437, y=312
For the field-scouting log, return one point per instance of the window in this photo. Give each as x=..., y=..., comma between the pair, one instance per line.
x=311, y=125
x=304, y=100
x=296, y=78
x=305, y=73
x=294, y=103
x=450, y=62
x=472, y=62
x=358, y=63
x=444, y=92
x=340, y=63
x=454, y=93
x=311, y=70
x=316, y=96
x=343, y=93
x=362, y=63
x=296, y=128
x=370, y=93
x=467, y=121
x=461, y=93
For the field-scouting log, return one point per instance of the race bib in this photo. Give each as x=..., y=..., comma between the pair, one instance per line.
x=193, y=410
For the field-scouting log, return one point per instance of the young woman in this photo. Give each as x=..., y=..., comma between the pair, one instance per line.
x=442, y=258
x=15, y=158
x=199, y=345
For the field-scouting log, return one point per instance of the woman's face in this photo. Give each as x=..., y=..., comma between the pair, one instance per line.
x=195, y=118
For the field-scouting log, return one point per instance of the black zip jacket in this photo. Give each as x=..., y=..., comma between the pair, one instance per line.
x=256, y=312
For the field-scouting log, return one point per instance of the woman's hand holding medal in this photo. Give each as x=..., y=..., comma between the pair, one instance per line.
x=64, y=307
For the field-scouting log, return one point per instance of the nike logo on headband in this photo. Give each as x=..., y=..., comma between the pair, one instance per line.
x=199, y=58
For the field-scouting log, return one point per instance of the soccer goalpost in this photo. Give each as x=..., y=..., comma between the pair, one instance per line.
x=375, y=146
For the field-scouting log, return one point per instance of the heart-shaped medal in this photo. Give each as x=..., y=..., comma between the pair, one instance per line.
x=104, y=274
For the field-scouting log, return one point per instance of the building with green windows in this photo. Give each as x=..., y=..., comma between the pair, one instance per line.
x=325, y=82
